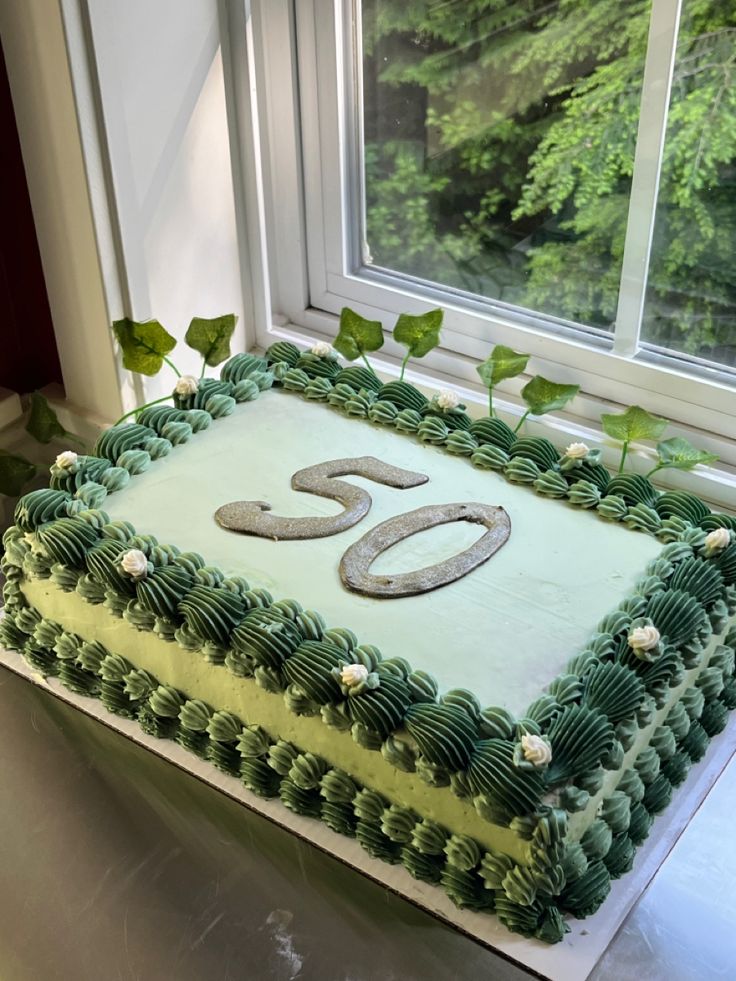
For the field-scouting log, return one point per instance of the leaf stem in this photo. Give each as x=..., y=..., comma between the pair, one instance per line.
x=171, y=365
x=490, y=401
x=140, y=408
x=368, y=365
x=522, y=420
x=660, y=466
x=624, y=451
x=204, y=365
x=403, y=365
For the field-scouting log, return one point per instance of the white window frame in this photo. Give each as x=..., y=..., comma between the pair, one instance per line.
x=310, y=140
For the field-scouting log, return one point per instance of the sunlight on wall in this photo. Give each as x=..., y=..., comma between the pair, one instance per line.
x=163, y=99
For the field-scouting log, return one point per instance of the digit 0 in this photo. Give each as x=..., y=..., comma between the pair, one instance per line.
x=357, y=560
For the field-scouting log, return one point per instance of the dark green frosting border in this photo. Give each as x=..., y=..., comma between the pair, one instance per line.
x=561, y=878
x=606, y=694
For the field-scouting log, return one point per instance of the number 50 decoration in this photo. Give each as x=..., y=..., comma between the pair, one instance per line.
x=255, y=518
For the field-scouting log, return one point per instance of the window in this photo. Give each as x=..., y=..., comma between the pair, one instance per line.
x=498, y=148
x=691, y=294
x=522, y=165
x=499, y=144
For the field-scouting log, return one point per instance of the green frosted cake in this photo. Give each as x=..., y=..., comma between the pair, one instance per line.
x=487, y=659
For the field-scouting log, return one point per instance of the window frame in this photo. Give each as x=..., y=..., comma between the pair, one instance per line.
x=308, y=114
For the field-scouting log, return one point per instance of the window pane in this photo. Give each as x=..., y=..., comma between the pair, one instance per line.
x=691, y=292
x=499, y=143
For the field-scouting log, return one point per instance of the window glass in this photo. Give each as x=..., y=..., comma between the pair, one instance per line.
x=499, y=145
x=691, y=292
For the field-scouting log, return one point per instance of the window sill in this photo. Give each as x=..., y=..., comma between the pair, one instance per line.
x=715, y=484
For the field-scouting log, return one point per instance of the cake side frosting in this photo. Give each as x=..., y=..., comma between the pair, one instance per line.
x=558, y=873
x=198, y=679
x=189, y=673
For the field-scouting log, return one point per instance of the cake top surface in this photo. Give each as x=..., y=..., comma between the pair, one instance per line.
x=504, y=631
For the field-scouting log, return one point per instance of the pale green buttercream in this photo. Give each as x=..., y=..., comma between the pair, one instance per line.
x=189, y=672
x=504, y=631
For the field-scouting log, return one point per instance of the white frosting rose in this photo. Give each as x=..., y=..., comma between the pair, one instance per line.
x=536, y=750
x=66, y=460
x=353, y=674
x=717, y=539
x=134, y=563
x=322, y=349
x=186, y=385
x=577, y=451
x=644, y=638
x=447, y=399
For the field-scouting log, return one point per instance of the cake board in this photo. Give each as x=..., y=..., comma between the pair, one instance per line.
x=574, y=958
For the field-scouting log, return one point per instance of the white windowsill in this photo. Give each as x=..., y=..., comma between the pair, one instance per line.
x=714, y=484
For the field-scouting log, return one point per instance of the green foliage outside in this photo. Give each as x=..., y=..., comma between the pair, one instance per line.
x=499, y=150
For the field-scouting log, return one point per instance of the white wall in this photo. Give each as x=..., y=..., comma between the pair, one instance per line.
x=150, y=153
x=160, y=77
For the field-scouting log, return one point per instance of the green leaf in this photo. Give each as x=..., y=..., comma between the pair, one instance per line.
x=501, y=363
x=357, y=335
x=144, y=344
x=15, y=472
x=544, y=396
x=680, y=454
x=43, y=424
x=212, y=337
x=634, y=424
x=419, y=334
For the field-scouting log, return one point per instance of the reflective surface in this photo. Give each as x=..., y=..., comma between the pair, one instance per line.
x=117, y=865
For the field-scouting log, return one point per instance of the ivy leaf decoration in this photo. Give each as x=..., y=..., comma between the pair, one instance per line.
x=357, y=335
x=679, y=454
x=419, y=334
x=43, y=423
x=144, y=344
x=501, y=363
x=542, y=395
x=634, y=424
x=211, y=337
x=15, y=472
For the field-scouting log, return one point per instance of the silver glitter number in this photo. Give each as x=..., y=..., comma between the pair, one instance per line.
x=254, y=517
x=357, y=560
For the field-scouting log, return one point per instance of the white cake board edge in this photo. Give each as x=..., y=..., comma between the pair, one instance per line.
x=572, y=959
